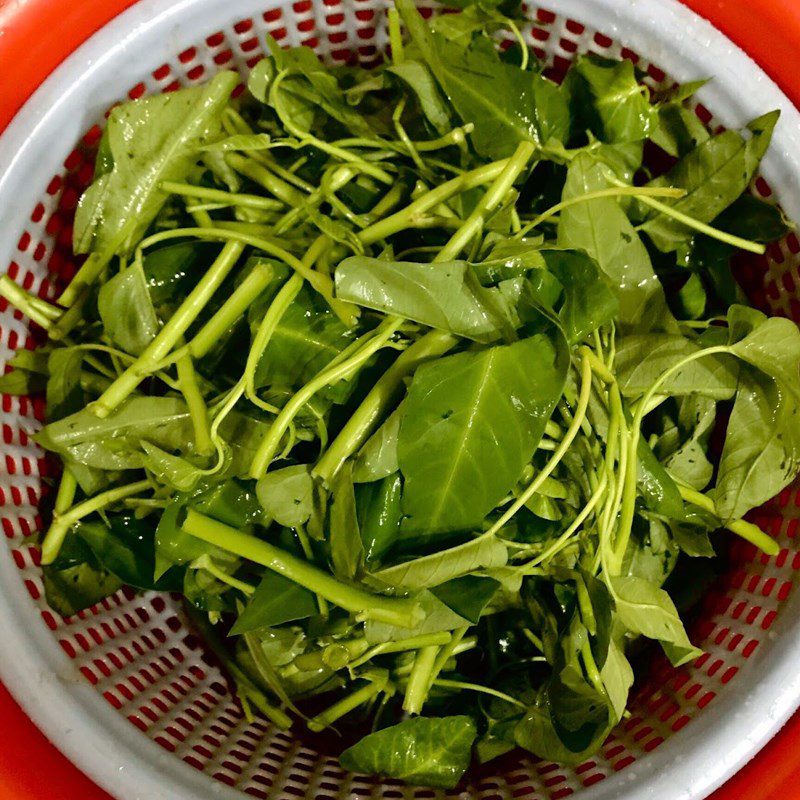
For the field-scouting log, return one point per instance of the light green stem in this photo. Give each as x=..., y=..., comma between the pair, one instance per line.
x=631, y=472
x=476, y=687
x=701, y=227
x=401, y=646
x=198, y=412
x=259, y=174
x=269, y=444
x=62, y=522
x=171, y=333
x=617, y=191
x=37, y=310
x=223, y=198
x=347, y=704
x=405, y=613
x=404, y=218
x=419, y=680
x=747, y=530
x=65, y=496
x=232, y=309
x=373, y=407
x=495, y=195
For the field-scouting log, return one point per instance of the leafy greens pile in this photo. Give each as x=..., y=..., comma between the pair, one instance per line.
x=406, y=380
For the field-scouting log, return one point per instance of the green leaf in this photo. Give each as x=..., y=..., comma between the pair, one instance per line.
x=147, y=141
x=588, y=301
x=617, y=676
x=649, y=611
x=432, y=751
x=714, y=174
x=443, y=295
x=761, y=454
x=276, y=600
x=308, y=336
x=689, y=462
x=379, y=513
x=64, y=394
x=125, y=546
x=771, y=344
x=169, y=469
x=287, y=495
x=601, y=228
x=678, y=130
x=445, y=565
x=468, y=596
x=115, y=442
x=438, y=617
x=691, y=534
x=651, y=554
x=510, y=258
x=377, y=459
x=642, y=359
x=465, y=412
x=312, y=82
x=507, y=104
x=71, y=589
x=419, y=79
x=127, y=312
x=175, y=547
x=172, y=271
x=347, y=551
x=620, y=102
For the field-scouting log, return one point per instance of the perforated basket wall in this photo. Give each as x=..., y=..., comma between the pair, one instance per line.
x=136, y=651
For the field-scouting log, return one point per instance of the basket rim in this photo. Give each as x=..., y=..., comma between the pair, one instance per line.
x=75, y=717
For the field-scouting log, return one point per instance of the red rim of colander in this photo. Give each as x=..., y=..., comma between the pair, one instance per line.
x=36, y=35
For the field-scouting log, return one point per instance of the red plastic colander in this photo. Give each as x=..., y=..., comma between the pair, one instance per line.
x=123, y=689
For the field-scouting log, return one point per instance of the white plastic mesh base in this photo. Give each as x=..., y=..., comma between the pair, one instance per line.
x=136, y=649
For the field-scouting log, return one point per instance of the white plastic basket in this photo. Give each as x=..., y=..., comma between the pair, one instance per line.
x=123, y=689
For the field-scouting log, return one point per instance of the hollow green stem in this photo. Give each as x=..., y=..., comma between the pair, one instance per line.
x=265, y=178
x=198, y=412
x=419, y=680
x=395, y=36
x=305, y=546
x=747, y=530
x=64, y=499
x=405, y=613
x=221, y=197
x=37, y=310
x=63, y=521
x=206, y=563
x=404, y=217
x=319, y=282
x=701, y=227
x=401, y=646
x=268, y=447
x=476, y=687
x=631, y=471
x=232, y=309
x=616, y=191
x=555, y=459
x=171, y=333
x=366, y=417
x=371, y=689
x=73, y=316
x=495, y=195
x=559, y=543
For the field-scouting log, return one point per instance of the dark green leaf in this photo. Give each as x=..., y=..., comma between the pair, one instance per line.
x=276, y=600
x=467, y=596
